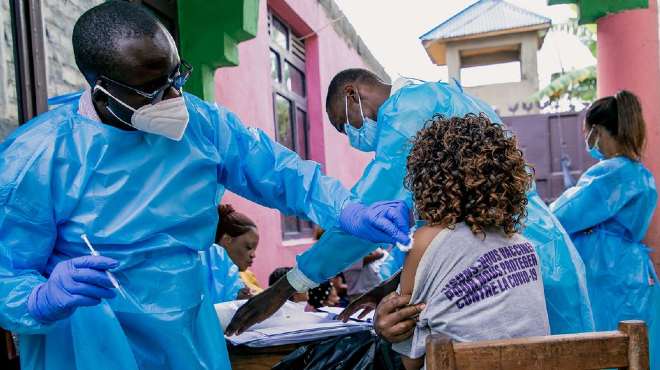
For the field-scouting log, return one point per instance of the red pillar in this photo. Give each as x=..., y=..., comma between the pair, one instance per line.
x=629, y=58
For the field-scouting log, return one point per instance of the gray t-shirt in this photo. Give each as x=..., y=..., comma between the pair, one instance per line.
x=477, y=289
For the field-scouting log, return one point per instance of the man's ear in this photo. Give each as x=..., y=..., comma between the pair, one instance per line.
x=351, y=91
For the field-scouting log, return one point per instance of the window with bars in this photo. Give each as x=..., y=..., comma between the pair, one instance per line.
x=287, y=62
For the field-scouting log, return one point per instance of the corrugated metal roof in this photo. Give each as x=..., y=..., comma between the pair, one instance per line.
x=485, y=16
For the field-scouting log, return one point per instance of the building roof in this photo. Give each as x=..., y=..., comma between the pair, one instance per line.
x=485, y=16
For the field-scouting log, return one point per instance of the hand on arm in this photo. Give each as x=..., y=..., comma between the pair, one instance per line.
x=395, y=318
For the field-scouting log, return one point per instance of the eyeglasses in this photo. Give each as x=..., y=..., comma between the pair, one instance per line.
x=176, y=80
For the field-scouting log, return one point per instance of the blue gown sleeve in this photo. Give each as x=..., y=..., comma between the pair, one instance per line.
x=28, y=228
x=382, y=180
x=256, y=167
x=224, y=282
x=600, y=193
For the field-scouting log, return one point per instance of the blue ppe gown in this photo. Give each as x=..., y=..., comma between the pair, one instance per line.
x=607, y=214
x=150, y=203
x=392, y=263
x=399, y=119
x=223, y=279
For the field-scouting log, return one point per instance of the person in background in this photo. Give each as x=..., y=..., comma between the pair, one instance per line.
x=478, y=277
x=365, y=275
x=324, y=295
x=607, y=214
x=229, y=256
x=339, y=283
x=238, y=235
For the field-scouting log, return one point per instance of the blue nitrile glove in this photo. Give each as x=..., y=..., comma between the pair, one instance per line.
x=381, y=222
x=80, y=281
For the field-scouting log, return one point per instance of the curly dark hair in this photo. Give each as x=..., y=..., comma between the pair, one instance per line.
x=468, y=170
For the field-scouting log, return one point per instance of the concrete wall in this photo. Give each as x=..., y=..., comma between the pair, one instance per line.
x=246, y=90
x=8, y=111
x=629, y=58
x=63, y=76
x=502, y=96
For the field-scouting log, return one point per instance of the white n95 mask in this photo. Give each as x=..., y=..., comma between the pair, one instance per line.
x=167, y=118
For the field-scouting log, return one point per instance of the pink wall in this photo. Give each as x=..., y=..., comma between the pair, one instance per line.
x=628, y=58
x=246, y=90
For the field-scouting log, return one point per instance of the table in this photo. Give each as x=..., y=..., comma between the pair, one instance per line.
x=263, y=358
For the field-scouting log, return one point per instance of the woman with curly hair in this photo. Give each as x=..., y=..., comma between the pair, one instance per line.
x=477, y=275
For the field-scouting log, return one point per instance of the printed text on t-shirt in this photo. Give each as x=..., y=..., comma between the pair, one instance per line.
x=493, y=273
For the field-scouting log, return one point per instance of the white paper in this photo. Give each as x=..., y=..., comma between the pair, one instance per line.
x=290, y=324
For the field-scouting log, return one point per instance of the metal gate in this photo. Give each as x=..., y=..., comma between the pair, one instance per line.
x=544, y=138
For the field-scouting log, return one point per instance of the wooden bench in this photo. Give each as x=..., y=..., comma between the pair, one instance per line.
x=626, y=348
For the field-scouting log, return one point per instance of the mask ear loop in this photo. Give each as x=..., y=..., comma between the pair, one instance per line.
x=586, y=141
x=98, y=87
x=360, y=104
x=346, y=109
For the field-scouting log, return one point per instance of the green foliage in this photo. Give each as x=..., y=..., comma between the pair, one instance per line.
x=576, y=84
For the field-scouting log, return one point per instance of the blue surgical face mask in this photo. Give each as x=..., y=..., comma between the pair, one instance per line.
x=593, y=151
x=364, y=138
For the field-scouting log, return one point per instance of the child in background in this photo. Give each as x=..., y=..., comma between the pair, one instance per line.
x=480, y=278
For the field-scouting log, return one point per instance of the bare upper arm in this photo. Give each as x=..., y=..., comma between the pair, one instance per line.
x=422, y=238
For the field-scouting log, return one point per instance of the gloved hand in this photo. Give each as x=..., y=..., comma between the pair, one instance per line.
x=381, y=222
x=80, y=281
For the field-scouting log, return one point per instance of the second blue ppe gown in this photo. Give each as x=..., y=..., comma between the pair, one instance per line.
x=150, y=203
x=223, y=279
x=607, y=213
x=399, y=119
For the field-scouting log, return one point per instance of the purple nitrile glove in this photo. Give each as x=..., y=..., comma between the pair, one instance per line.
x=76, y=282
x=381, y=222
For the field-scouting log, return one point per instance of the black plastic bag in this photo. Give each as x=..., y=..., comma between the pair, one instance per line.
x=358, y=351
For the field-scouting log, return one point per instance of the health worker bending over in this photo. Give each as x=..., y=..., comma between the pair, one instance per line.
x=607, y=214
x=381, y=118
x=139, y=168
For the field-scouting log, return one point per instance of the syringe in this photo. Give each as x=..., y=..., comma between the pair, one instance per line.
x=112, y=278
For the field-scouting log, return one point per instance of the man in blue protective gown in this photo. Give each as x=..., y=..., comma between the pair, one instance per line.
x=382, y=118
x=139, y=168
